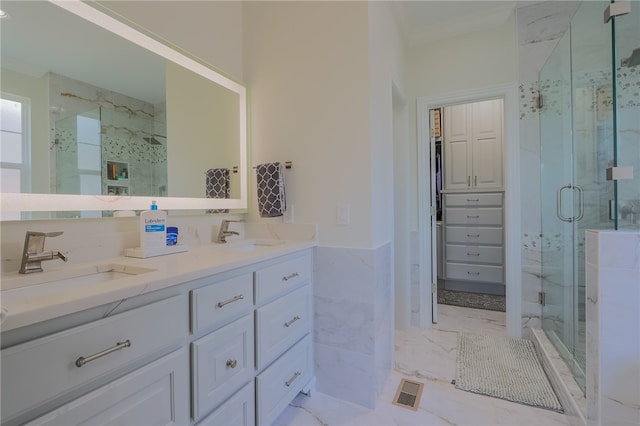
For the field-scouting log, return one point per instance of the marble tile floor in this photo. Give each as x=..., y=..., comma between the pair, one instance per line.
x=428, y=356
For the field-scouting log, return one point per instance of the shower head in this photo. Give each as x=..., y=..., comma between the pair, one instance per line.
x=632, y=60
x=151, y=140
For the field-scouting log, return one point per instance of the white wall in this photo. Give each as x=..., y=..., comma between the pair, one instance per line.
x=306, y=64
x=478, y=60
x=210, y=30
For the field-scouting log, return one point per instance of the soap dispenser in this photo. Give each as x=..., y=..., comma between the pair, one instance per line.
x=152, y=227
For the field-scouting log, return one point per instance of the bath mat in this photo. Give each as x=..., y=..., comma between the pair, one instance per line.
x=505, y=368
x=489, y=302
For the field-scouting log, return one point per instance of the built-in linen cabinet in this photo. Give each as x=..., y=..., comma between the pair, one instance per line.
x=473, y=240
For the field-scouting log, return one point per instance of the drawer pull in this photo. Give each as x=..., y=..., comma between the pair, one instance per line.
x=473, y=235
x=231, y=363
x=291, y=321
x=473, y=199
x=291, y=276
x=473, y=273
x=233, y=299
x=473, y=217
x=120, y=345
x=293, y=378
x=473, y=254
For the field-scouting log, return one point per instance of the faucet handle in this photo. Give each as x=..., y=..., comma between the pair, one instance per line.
x=44, y=234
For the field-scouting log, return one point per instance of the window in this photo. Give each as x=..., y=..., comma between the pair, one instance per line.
x=15, y=145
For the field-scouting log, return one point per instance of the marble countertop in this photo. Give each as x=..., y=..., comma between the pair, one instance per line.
x=28, y=305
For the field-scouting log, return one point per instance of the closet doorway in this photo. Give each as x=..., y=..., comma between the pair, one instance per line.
x=469, y=204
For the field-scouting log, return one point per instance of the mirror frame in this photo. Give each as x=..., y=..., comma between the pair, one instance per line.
x=26, y=202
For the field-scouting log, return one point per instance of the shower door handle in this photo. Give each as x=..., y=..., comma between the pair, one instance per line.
x=559, y=204
x=580, y=203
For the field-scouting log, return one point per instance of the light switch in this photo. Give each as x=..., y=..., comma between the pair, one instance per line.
x=344, y=213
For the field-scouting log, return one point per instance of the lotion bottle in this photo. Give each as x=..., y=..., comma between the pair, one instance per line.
x=152, y=227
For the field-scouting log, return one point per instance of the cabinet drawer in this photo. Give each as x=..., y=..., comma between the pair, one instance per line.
x=156, y=394
x=218, y=303
x=222, y=362
x=456, y=234
x=239, y=410
x=282, y=381
x=281, y=323
x=278, y=279
x=43, y=369
x=474, y=254
x=473, y=216
x=468, y=272
x=473, y=200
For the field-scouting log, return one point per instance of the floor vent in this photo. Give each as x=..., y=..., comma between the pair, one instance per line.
x=408, y=394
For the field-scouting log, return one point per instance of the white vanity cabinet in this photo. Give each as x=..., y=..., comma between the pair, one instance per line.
x=37, y=373
x=284, y=349
x=253, y=351
x=231, y=348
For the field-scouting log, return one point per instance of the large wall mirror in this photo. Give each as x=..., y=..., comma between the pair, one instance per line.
x=99, y=116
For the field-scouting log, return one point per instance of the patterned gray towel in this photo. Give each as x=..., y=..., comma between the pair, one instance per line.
x=218, y=186
x=271, y=194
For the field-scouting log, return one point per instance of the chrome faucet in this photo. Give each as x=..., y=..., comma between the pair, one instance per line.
x=33, y=253
x=224, y=232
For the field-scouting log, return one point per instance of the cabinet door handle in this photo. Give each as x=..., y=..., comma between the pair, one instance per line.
x=473, y=217
x=233, y=299
x=473, y=273
x=473, y=235
x=120, y=345
x=473, y=254
x=468, y=180
x=290, y=276
x=292, y=379
x=232, y=363
x=473, y=200
x=291, y=321
x=475, y=181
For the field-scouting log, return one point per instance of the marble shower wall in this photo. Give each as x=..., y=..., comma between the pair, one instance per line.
x=353, y=322
x=613, y=328
x=124, y=123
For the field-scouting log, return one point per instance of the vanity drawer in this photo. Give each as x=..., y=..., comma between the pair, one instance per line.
x=219, y=303
x=222, y=362
x=476, y=235
x=278, y=279
x=473, y=200
x=283, y=380
x=281, y=323
x=468, y=272
x=156, y=394
x=474, y=254
x=239, y=410
x=473, y=216
x=41, y=370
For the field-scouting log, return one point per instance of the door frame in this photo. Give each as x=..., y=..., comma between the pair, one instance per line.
x=511, y=175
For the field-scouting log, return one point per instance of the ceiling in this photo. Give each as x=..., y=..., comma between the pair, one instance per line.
x=427, y=21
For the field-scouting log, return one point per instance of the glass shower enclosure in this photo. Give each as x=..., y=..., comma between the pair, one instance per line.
x=589, y=127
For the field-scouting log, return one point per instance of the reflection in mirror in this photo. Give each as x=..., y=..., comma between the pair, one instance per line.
x=112, y=132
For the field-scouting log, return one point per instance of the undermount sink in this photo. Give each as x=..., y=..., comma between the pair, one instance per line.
x=44, y=283
x=251, y=244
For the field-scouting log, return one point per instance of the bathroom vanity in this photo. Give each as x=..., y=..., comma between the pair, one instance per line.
x=218, y=335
